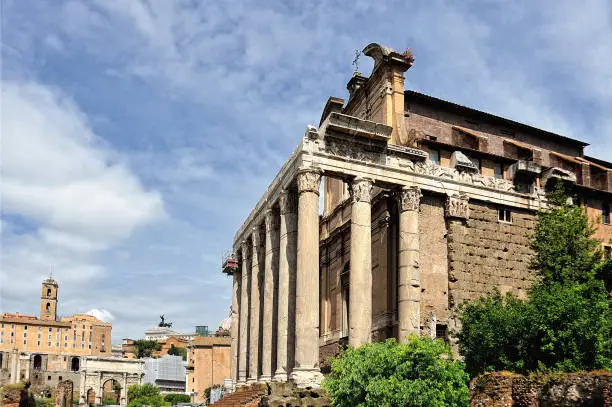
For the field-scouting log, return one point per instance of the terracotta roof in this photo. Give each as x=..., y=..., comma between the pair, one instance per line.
x=469, y=132
x=29, y=321
x=601, y=167
x=519, y=144
x=204, y=341
x=565, y=157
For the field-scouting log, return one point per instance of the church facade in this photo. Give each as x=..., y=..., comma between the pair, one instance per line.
x=426, y=204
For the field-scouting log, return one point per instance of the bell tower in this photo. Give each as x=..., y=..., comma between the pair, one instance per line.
x=48, y=300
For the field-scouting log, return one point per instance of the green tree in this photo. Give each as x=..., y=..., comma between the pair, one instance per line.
x=144, y=348
x=421, y=372
x=178, y=351
x=145, y=395
x=175, y=398
x=565, y=324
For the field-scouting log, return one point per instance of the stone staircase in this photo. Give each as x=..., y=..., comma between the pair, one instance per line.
x=245, y=397
x=275, y=394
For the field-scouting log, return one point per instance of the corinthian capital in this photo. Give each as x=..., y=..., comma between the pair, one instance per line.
x=309, y=181
x=409, y=199
x=457, y=206
x=271, y=220
x=244, y=249
x=361, y=190
x=256, y=237
x=288, y=201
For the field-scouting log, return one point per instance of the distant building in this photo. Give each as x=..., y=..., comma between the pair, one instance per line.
x=79, y=334
x=166, y=372
x=159, y=333
x=208, y=363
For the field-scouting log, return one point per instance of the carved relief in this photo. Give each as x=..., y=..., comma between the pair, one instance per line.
x=361, y=190
x=345, y=149
x=309, y=181
x=457, y=206
x=288, y=201
x=409, y=199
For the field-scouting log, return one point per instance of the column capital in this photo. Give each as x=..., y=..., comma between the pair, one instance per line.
x=457, y=206
x=361, y=190
x=309, y=180
x=244, y=249
x=288, y=201
x=409, y=198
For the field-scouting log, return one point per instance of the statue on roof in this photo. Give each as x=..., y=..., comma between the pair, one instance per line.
x=163, y=323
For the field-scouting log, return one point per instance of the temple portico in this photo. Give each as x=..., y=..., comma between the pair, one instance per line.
x=407, y=230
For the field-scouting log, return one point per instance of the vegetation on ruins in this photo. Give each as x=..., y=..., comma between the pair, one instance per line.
x=565, y=324
x=178, y=351
x=421, y=372
x=147, y=394
x=144, y=348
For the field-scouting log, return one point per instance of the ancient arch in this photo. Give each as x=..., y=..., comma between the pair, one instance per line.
x=91, y=397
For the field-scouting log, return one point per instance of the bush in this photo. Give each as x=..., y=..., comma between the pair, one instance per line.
x=144, y=395
x=174, y=398
x=421, y=372
x=566, y=322
x=144, y=348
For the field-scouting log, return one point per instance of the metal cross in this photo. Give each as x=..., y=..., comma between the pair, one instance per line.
x=356, y=60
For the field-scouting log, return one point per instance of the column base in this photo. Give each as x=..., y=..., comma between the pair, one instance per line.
x=251, y=380
x=307, y=377
x=240, y=383
x=265, y=379
x=280, y=376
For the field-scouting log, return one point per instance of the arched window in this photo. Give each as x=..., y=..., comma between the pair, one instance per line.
x=37, y=362
x=48, y=292
x=74, y=365
x=48, y=307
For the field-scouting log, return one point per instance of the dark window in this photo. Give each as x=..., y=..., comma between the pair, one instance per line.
x=434, y=156
x=48, y=307
x=605, y=214
x=60, y=378
x=442, y=332
x=48, y=377
x=48, y=292
x=498, y=171
x=504, y=215
x=476, y=163
x=74, y=366
x=37, y=362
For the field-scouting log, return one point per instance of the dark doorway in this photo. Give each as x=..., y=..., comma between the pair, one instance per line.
x=74, y=365
x=37, y=362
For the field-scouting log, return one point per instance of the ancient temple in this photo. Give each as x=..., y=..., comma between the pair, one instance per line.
x=427, y=203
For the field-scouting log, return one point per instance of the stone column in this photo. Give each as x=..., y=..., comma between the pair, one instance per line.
x=243, y=340
x=409, y=279
x=360, y=277
x=286, y=284
x=254, y=356
x=235, y=329
x=306, y=371
x=268, y=357
x=124, y=390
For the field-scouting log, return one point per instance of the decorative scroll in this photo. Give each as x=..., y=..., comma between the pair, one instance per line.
x=361, y=190
x=309, y=181
x=409, y=199
x=288, y=201
x=457, y=206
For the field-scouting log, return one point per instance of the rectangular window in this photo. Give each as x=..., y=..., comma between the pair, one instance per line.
x=57, y=344
x=12, y=333
x=50, y=329
x=40, y=328
x=89, y=346
x=498, y=171
x=605, y=214
x=1, y=340
x=49, y=344
x=434, y=156
x=25, y=334
x=65, y=337
x=476, y=162
x=504, y=215
x=25, y=341
x=82, y=346
x=12, y=326
x=65, y=345
x=38, y=343
x=38, y=336
x=25, y=327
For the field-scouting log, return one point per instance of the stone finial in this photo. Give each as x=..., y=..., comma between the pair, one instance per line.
x=288, y=201
x=361, y=190
x=457, y=206
x=309, y=180
x=381, y=54
x=409, y=198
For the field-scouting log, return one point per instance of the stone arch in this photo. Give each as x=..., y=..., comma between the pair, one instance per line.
x=75, y=364
x=48, y=307
x=111, y=389
x=48, y=292
x=37, y=363
x=90, y=398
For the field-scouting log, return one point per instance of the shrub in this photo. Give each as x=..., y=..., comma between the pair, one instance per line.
x=421, y=372
x=174, y=398
x=144, y=395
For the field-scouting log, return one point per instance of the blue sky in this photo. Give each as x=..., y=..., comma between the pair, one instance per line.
x=137, y=135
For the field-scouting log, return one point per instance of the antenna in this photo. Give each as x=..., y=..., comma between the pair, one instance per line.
x=356, y=61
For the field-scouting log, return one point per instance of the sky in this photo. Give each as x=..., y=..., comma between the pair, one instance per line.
x=136, y=135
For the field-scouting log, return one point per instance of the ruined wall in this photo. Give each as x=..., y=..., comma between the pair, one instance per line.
x=570, y=389
x=433, y=263
x=484, y=252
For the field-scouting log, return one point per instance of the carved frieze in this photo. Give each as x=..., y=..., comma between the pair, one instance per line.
x=361, y=190
x=409, y=199
x=457, y=206
x=354, y=151
x=288, y=201
x=309, y=181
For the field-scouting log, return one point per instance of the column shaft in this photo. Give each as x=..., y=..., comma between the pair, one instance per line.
x=409, y=279
x=306, y=371
x=243, y=341
x=360, y=277
x=254, y=345
x=286, y=284
x=235, y=329
x=268, y=357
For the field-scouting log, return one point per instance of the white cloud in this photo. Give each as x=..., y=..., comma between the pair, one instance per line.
x=101, y=314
